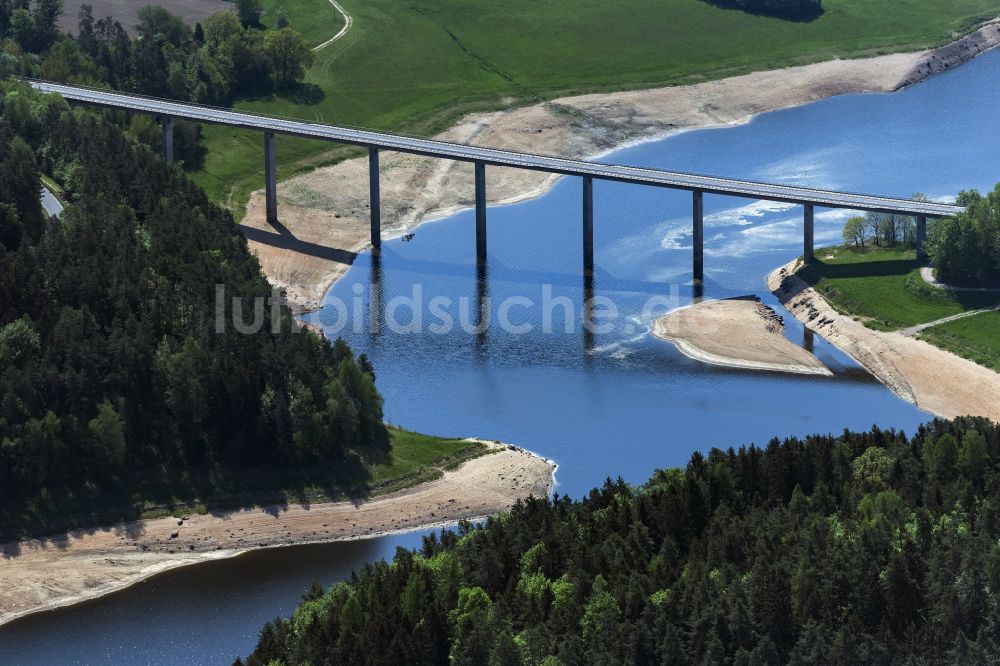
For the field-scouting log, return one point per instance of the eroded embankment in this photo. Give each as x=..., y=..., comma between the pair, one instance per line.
x=42, y=574
x=931, y=378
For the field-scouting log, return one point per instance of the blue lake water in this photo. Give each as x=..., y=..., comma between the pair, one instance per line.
x=613, y=403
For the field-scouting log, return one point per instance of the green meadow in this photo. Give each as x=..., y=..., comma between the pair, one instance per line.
x=976, y=338
x=417, y=66
x=882, y=288
x=416, y=458
x=317, y=20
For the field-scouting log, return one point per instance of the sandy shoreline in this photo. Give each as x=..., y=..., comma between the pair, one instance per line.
x=738, y=333
x=934, y=380
x=45, y=574
x=324, y=213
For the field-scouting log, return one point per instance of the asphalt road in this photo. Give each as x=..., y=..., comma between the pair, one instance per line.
x=50, y=203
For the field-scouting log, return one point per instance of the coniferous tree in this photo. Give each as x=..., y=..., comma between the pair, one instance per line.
x=863, y=548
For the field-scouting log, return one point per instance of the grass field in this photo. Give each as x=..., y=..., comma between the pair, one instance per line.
x=883, y=288
x=416, y=458
x=976, y=338
x=317, y=21
x=417, y=66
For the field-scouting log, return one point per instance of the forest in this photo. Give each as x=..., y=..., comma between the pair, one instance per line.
x=231, y=56
x=867, y=547
x=965, y=249
x=117, y=383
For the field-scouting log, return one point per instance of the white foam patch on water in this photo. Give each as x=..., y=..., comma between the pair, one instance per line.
x=620, y=349
x=745, y=215
x=675, y=233
x=672, y=239
x=807, y=170
x=667, y=235
x=668, y=274
x=740, y=216
x=770, y=237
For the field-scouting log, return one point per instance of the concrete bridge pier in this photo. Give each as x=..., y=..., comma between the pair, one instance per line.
x=270, y=178
x=588, y=226
x=375, y=199
x=480, y=211
x=808, y=234
x=698, y=236
x=168, y=139
x=921, y=237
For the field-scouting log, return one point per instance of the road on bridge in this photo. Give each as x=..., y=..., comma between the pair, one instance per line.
x=491, y=156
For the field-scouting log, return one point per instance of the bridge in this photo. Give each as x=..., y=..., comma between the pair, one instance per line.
x=698, y=185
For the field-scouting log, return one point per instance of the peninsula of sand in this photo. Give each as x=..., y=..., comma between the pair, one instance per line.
x=43, y=574
x=324, y=213
x=933, y=379
x=736, y=333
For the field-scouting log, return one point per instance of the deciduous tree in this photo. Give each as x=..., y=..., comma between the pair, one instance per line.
x=289, y=54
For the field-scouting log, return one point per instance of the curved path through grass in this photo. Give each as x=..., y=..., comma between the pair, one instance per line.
x=927, y=273
x=913, y=330
x=348, y=22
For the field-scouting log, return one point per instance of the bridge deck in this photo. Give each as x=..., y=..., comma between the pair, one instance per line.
x=442, y=149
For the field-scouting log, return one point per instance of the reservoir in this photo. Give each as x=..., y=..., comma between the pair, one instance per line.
x=607, y=403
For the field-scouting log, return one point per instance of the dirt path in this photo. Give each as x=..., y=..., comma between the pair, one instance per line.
x=913, y=330
x=43, y=574
x=325, y=213
x=348, y=22
x=937, y=381
x=736, y=333
x=927, y=273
